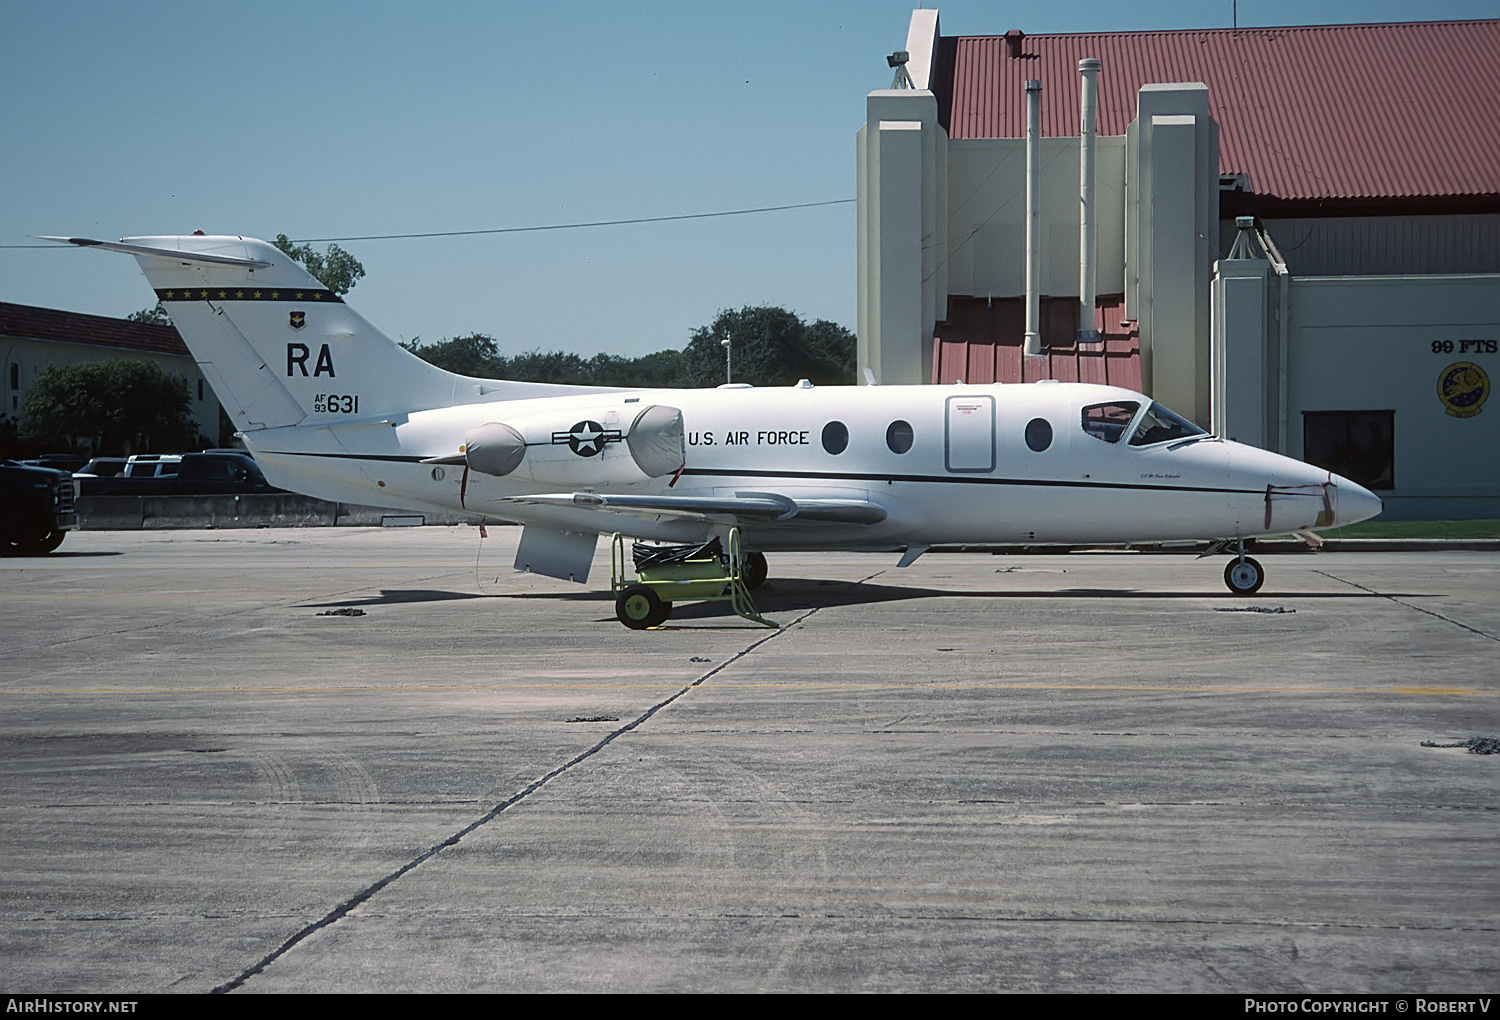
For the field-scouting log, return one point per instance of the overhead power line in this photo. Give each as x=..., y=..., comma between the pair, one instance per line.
x=548, y=226
x=576, y=226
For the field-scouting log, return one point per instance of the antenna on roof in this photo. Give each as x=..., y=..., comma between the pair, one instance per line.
x=898, y=60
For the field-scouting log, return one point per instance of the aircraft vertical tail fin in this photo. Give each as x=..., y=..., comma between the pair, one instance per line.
x=279, y=348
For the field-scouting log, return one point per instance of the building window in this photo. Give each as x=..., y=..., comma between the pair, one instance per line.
x=1360, y=445
x=15, y=375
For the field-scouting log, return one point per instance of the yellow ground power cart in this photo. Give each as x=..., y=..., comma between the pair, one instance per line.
x=676, y=573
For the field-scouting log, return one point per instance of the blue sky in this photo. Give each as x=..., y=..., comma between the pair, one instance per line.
x=336, y=119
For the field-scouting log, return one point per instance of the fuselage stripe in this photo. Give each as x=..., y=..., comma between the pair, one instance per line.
x=290, y=294
x=850, y=476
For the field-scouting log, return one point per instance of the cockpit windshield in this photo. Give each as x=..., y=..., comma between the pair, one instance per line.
x=1160, y=425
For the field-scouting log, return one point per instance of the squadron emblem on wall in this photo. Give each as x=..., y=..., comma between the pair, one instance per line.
x=1463, y=388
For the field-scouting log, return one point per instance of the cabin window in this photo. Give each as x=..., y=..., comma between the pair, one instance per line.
x=835, y=437
x=1159, y=425
x=1038, y=434
x=899, y=436
x=1360, y=445
x=1109, y=421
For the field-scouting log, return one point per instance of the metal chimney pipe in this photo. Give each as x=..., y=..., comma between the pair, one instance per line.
x=1088, y=241
x=1033, y=217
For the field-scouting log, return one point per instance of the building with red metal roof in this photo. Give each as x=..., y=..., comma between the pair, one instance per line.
x=33, y=338
x=1280, y=232
x=1310, y=117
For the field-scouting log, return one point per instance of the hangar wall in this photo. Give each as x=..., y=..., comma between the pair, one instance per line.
x=1387, y=343
x=1401, y=366
x=987, y=216
x=940, y=218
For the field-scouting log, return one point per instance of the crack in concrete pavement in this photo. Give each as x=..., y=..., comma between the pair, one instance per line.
x=343, y=909
x=1408, y=605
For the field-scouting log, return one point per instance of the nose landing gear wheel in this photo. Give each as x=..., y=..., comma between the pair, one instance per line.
x=638, y=608
x=1244, y=576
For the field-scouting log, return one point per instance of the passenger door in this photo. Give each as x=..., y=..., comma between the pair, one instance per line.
x=969, y=433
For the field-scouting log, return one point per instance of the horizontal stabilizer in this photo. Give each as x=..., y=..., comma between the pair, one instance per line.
x=168, y=253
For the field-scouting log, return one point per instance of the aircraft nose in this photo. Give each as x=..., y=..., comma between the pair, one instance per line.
x=1353, y=502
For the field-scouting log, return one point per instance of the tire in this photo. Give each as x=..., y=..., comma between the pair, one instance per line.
x=39, y=545
x=753, y=570
x=638, y=608
x=1244, y=576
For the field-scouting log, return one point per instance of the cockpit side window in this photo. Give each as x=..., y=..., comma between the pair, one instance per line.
x=1160, y=425
x=1109, y=421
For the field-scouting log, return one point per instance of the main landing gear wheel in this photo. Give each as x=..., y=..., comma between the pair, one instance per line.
x=753, y=570
x=1244, y=576
x=638, y=608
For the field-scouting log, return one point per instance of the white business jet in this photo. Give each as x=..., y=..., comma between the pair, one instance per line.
x=332, y=408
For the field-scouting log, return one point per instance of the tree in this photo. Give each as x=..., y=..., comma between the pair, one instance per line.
x=476, y=354
x=155, y=316
x=335, y=269
x=771, y=347
x=112, y=407
x=834, y=346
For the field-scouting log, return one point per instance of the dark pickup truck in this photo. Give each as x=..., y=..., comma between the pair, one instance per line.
x=198, y=474
x=36, y=509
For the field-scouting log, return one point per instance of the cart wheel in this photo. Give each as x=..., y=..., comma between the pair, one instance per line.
x=753, y=570
x=639, y=607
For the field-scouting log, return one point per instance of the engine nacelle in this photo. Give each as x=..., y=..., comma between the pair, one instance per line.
x=580, y=447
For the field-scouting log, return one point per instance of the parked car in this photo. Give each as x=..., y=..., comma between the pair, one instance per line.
x=102, y=467
x=137, y=466
x=188, y=474
x=151, y=465
x=57, y=461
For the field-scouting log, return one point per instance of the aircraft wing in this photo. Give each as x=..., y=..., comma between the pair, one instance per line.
x=742, y=506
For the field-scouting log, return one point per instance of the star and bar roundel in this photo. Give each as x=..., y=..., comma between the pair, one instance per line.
x=587, y=438
x=325, y=297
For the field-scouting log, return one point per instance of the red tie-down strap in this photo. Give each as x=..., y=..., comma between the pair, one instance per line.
x=1324, y=519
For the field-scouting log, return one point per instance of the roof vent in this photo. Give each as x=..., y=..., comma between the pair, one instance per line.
x=1013, y=42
